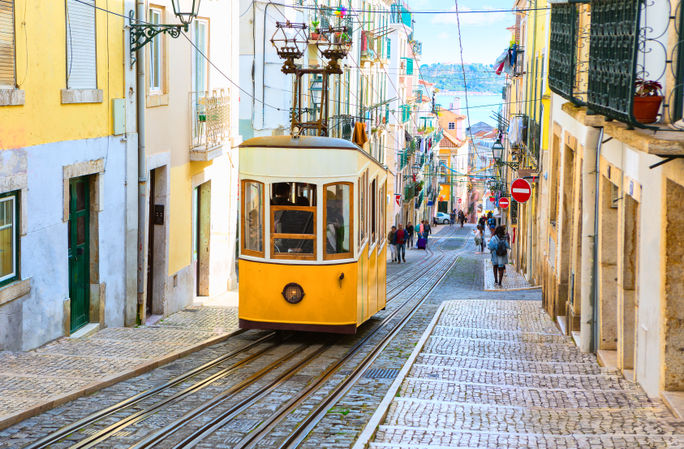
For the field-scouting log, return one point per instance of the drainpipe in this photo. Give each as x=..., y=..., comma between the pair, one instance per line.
x=589, y=263
x=142, y=166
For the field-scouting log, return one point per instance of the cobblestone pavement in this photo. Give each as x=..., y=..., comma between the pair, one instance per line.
x=37, y=380
x=498, y=374
x=512, y=280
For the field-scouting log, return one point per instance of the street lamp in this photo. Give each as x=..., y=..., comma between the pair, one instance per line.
x=142, y=33
x=497, y=154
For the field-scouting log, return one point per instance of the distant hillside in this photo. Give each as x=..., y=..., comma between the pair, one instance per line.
x=481, y=78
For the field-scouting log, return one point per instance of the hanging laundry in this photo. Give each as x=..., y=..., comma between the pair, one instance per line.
x=360, y=136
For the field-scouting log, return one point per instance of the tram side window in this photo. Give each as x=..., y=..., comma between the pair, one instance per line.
x=373, y=210
x=382, y=200
x=253, y=217
x=293, y=218
x=338, y=220
x=363, y=188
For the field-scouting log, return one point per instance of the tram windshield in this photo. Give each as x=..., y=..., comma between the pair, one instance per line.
x=293, y=209
x=338, y=220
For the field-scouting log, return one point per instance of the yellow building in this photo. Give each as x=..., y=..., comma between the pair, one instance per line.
x=191, y=138
x=65, y=238
x=604, y=237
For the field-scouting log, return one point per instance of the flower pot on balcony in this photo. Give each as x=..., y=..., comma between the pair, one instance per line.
x=646, y=108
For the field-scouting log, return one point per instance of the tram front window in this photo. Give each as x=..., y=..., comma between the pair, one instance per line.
x=338, y=220
x=293, y=218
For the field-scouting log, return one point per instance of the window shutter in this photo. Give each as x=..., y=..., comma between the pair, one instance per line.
x=7, y=43
x=80, y=38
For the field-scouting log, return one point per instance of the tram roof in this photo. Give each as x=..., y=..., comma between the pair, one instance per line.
x=300, y=142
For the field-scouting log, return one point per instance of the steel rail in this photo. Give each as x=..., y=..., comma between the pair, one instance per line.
x=256, y=435
x=94, y=417
x=141, y=415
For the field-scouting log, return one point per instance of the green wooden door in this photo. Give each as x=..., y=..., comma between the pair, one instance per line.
x=79, y=251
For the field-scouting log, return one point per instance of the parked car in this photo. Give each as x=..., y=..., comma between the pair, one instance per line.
x=442, y=218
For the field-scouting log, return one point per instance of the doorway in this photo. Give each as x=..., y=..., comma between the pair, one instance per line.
x=79, y=251
x=201, y=228
x=607, y=259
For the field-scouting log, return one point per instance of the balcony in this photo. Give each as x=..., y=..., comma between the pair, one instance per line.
x=400, y=14
x=210, y=118
x=597, y=54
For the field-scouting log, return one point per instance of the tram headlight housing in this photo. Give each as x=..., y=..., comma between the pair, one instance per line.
x=293, y=293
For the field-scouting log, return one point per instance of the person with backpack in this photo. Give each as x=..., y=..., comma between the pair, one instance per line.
x=498, y=246
x=401, y=247
x=491, y=222
x=392, y=241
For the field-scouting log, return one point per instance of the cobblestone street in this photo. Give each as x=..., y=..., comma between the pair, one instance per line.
x=470, y=369
x=495, y=374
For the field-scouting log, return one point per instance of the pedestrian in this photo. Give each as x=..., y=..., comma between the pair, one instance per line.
x=427, y=232
x=479, y=238
x=482, y=222
x=452, y=217
x=392, y=241
x=401, y=244
x=409, y=235
x=418, y=229
x=498, y=246
x=491, y=222
x=461, y=217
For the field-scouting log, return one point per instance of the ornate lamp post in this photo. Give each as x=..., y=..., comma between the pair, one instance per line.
x=142, y=33
x=497, y=155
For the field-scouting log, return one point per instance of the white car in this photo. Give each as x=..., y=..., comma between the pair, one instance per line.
x=442, y=218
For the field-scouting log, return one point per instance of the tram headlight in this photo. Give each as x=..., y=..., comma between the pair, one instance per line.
x=293, y=293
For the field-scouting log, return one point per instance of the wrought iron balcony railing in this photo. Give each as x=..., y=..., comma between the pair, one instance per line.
x=599, y=51
x=210, y=120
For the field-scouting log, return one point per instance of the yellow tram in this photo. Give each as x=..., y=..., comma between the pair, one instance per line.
x=313, y=244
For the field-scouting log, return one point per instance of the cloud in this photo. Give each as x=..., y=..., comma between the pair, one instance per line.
x=443, y=35
x=476, y=18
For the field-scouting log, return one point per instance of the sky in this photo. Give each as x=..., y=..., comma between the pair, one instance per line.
x=484, y=35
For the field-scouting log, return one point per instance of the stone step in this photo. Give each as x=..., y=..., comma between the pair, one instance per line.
x=495, y=363
x=428, y=438
x=530, y=380
x=519, y=396
x=474, y=333
x=407, y=412
x=506, y=350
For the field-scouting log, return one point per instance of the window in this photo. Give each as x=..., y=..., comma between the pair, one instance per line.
x=452, y=125
x=374, y=210
x=293, y=220
x=80, y=40
x=155, y=16
x=382, y=200
x=200, y=55
x=7, y=74
x=9, y=227
x=363, y=188
x=338, y=220
x=252, y=218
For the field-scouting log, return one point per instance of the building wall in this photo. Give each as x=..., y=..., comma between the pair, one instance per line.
x=47, y=140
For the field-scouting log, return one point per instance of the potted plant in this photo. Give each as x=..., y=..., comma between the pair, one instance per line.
x=315, y=32
x=647, y=99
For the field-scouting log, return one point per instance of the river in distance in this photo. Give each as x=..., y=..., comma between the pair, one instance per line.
x=481, y=106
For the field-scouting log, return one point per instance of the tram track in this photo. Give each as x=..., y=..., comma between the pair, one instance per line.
x=255, y=435
x=232, y=392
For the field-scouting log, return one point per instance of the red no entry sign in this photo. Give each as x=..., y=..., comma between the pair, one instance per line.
x=521, y=190
x=504, y=203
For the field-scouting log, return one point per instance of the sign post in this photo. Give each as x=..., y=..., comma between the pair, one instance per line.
x=521, y=190
x=504, y=203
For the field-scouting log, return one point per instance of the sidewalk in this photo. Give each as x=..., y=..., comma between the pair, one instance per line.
x=35, y=381
x=495, y=374
x=512, y=280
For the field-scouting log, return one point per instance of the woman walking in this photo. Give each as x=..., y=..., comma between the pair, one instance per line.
x=498, y=245
x=409, y=235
